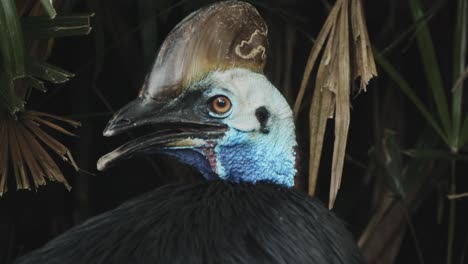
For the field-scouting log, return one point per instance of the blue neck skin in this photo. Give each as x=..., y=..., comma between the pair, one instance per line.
x=245, y=157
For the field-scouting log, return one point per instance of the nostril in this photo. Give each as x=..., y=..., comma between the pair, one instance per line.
x=263, y=115
x=123, y=122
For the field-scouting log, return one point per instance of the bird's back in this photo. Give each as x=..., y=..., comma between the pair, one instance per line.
x=208, y=222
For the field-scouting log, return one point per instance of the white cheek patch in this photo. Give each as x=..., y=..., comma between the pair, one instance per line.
x=251, y=91
x=244, y=120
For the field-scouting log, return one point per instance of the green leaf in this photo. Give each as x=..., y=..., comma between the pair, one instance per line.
x=409, y=92
x=459, y=55
x=11, y=39
x=43, y=27
x=434, y=154
x=49, y=8
x=48, y=72
x=11, y=55
x=430, y=65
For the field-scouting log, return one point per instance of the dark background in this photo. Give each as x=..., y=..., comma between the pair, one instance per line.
x=110, y=65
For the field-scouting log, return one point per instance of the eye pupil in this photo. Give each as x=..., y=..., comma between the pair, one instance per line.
x=220, y=104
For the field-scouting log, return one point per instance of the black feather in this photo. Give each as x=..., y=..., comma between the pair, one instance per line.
x=208, y=222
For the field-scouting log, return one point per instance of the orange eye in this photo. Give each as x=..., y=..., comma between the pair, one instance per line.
x=220, y=105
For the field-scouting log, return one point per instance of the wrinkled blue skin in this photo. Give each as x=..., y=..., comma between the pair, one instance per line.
x=245, y=157
x=242, y=157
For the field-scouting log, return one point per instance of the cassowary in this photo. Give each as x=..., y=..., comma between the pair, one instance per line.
x=208, y=104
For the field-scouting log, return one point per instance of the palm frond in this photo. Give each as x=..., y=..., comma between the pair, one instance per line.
x=25, y=146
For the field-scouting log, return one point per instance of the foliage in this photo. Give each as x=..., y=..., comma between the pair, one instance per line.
x=20, y=130
x=449, y=128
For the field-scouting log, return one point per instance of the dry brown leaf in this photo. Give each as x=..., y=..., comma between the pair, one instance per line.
x=35, y=115
x=48, y=164
x=19, y=169
x=60, y=149
x=314, y=52
x=20, y=146
x=29, y=158
x=342, y=104
x=344, y=59
x=364, y=63
x=52, y=125
x=318, y=114
x=49, y=141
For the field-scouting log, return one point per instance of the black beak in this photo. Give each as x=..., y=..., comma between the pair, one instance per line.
x=177, y=125
x=136, y=113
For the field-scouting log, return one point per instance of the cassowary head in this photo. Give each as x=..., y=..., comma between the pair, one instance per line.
x=208, y=103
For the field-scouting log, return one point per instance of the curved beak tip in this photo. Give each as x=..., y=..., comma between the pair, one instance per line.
x=108, y=132
x=111, y=128
x=101, y=164
x=104, y=161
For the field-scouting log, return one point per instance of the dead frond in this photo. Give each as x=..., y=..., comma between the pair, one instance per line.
x=23, y=144
x=345, y=59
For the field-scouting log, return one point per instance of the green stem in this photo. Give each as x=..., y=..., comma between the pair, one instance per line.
x=452, y=215
x=459, y=54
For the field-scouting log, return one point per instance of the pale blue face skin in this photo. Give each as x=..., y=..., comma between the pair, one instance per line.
x=243, y=158
x=249, y=151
